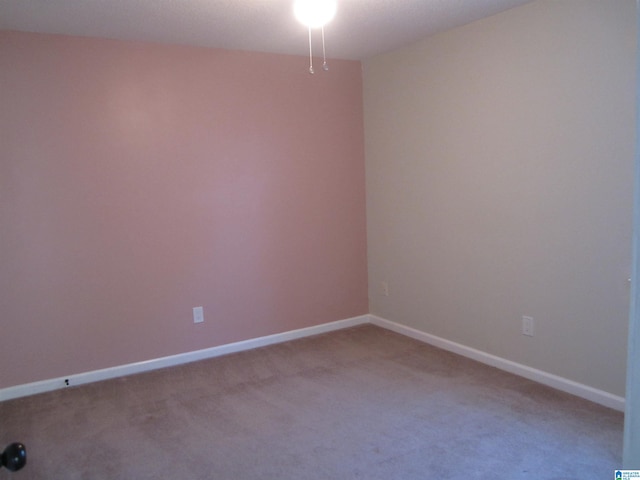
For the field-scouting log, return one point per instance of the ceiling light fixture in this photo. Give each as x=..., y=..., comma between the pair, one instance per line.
x=315, y=14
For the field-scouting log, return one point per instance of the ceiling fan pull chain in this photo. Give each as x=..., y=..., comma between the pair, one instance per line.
x=310, y=55
x=325, y=67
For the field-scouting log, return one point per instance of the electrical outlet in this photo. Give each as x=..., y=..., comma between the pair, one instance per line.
x=527, y=326
x=384, y=287
x=198, y=314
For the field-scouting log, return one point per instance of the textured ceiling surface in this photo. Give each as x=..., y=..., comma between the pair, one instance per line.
x=361, y=28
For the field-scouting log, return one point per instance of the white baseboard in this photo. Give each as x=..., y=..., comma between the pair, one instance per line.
x=598, y=396
x=559, y=383
x=173, y=360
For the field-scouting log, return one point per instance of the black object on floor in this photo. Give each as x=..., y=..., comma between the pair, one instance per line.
x=14, y=457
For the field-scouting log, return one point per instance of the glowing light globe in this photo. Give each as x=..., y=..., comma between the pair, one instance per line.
x=314, y=13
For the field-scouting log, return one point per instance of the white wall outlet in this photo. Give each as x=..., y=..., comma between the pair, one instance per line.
x=384, y=288
x=527, y=326
x=198, y=314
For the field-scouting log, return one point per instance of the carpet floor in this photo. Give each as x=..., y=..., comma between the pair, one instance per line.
x=359, y=403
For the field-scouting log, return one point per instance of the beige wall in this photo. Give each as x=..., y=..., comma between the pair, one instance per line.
x=499, y=162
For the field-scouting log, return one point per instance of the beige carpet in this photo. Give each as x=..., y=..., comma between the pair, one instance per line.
x=361, y=403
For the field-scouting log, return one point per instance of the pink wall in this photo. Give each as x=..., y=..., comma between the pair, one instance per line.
x=138, y=181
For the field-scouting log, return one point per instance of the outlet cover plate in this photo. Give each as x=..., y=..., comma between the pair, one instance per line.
x=527, y=326
x=198, y=314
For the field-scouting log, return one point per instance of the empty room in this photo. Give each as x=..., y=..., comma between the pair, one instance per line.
x=395, y=241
